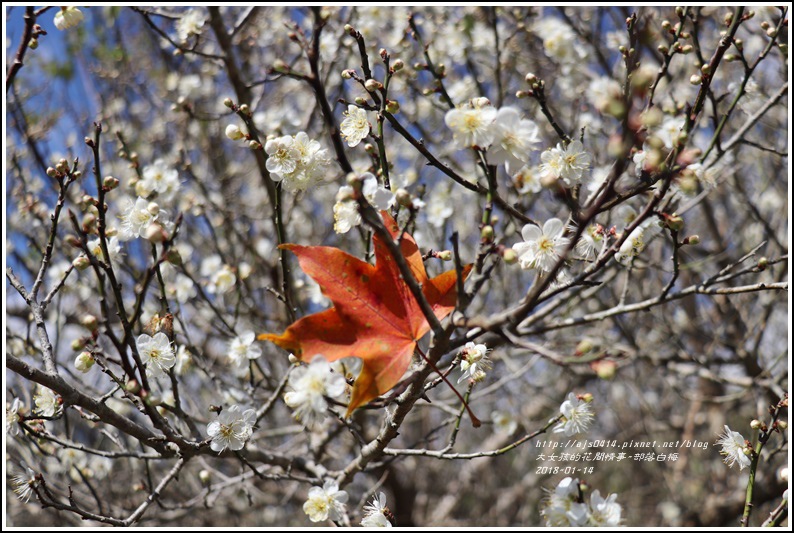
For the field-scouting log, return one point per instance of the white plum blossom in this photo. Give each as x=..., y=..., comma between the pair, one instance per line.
x=346, y=215
x=527, y=180
x=541, y=248
x=283, y=156
x=439, y=207
x=670, y=129
x=559, y=42
x=591, y=242
x=604, y=512
x=472, y=125
x=23, y=483
x=514, y=139
x=47, y=402
x=355, y=126
x=68, y=17
x=114, y=248
x=136, y=218
x=474, y=362
x=577, y=416
x=190, y=23
x=603, y=92
x=157, y=353
x=636, y=241
x=375, y=513
x=242, y=350
x=231, y=429
x=221, y=276
x=504, y=422
x=380, y=197
x=562, y=508
x=568, y=164
x=13, y=417
x=181, y=288
x=734, y=448
x=310, y=385
x=326, y=502
x=565, y=507
x=311, y=162
x=160, y=178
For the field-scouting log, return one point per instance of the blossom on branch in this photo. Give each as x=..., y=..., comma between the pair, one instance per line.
x=231, y=429
x=326, y=502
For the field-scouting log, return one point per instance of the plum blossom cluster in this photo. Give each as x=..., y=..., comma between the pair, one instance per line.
x=310, y=385
x=158, y=179
x=566, y=507
x=142, y=218
x=508, y=138
x=567, y=163
x=298, y=162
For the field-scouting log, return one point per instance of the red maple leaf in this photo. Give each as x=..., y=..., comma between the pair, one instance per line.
x=374, y=316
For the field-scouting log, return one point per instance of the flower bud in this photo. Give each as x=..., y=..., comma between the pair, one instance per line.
x=81, y=262
x=350, y=30
x=254, y=145
x=586, y=397
x=372, y=85
x=173, y=257
x=360, y=100
x=398, y=65
x=110, y=183
x=279, y=65
x=84, y=362
x=78, y=344
x=204, y=477
x=763, y=263
x=133, y=386
x=674, y=222
x=584, y=346
x=403, y=197
x=393, y=107
x=155, y=233
x=33, y=43
x=153, y=208
x=756, y=424
x=347, y=73
x=245, y=110
x=51, y=172
x=487, y=233
x=510, y=256
x=228, y=102
x=782, y=424
x=73, y=241
x=293, y=360
x=686, y=49
x=695, y=79
x=77, y=174
x=605, y=369
x=771, y=32
x=89, y=322
x=445, y=255
x=234, y=132
x=692, y=240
